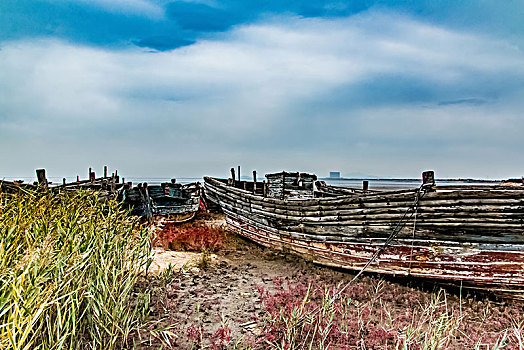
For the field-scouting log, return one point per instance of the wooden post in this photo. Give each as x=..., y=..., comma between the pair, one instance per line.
x=233, y=175
x=123, y=180
x=77, y=178
x=42, y=181
x=92, y=176
x=64, y=181
x=365, y=185
x=239, y=173
x=89, y=174
x=105, y=170
x=283, y=185
x=428, y=181
x=428, y=178
x=254, y=181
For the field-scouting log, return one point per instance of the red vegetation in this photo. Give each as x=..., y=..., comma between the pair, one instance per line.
x=376, y=317
x=194, y=333
x=191, y=237
x=221, y=338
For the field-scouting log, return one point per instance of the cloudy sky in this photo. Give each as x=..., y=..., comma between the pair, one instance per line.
x=159, y=88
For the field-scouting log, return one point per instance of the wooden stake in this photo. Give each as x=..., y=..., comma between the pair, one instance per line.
x=42, y=181
x=254, y=181
x=365, y=185
x=105, y=170
x=239, y=173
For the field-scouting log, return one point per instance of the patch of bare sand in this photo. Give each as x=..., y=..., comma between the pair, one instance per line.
x=163, y=259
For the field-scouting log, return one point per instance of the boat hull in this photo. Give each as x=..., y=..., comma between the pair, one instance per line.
x=491, y=262
x=178, y=203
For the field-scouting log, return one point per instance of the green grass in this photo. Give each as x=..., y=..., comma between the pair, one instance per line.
x=68, y=268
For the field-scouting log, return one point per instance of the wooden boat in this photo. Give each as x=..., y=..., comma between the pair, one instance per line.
x=106, y=187
x=470, y=236
x=176, y=202
x=10, y=187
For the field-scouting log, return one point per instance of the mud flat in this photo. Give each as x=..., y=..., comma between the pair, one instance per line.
x=244, y=296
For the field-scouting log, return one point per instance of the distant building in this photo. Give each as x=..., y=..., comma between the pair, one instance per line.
x=334, y=174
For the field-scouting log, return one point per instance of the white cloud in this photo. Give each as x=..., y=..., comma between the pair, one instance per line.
x=243, y=99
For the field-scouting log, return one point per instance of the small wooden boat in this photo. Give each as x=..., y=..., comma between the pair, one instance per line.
x=176, y=202
x=467, y=235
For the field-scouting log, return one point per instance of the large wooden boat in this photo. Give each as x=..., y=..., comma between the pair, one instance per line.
x=470, y=235
x=176, y=202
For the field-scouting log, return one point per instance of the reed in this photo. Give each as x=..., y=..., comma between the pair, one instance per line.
x=68, y=268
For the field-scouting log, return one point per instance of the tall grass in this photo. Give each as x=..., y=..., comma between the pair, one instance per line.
x=68, y=268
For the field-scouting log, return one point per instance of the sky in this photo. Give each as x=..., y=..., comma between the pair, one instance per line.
x=158, y=88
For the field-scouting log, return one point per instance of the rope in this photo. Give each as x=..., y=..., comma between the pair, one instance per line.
x=396, y=231
x=413, y=239
x=400, y=224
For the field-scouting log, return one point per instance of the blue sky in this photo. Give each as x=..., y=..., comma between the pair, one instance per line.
x=187, y=88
